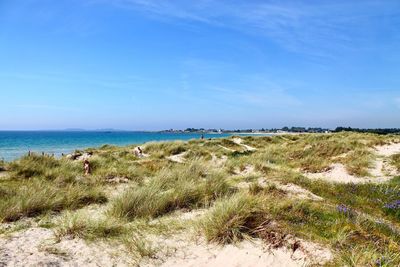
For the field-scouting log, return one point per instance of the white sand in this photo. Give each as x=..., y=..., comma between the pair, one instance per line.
x=37, y=247
x=179, y=158
x=239, y=141
x=226, y=148
x=218, y=162
x=179, y=252
x=3, y=174
x=388, y=150
x=298, y=192
x=338, y=174
x=247, y=170
x=382, y=170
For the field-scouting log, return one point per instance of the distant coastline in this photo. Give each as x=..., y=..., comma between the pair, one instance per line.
x=14, y=144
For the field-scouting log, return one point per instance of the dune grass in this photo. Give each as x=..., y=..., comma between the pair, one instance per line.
x=2, y=165
x=80, y=225
x=272, y=217
x=395, y=160
x=180, y=187
x=35, y=197
x=359, y=222
x=232, y=218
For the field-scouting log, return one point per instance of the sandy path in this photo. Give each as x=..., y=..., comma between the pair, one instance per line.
x=339, y=174
x=179, y=158
x=227, y=148
x=239, y=141
x=382, y=170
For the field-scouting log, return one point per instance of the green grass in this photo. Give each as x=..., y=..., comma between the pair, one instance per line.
x=180, y=187
x=395, y=160
x=35, y=197
x=2, y=165
x=231, y=219
x=79, y=225
x=368, y=232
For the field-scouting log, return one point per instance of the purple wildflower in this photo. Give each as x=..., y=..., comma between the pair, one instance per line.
x=343, y=209
x=380, y=262
x=393, y=205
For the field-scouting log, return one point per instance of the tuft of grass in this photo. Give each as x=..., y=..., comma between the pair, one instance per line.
x=79, y=225
x=395, y=160
x=187, y=186
x=2, y=165
x=231, y=219
x=33, y=165
x=35, y=197
x=139, y=246
x=358, y=161
x=164, y=149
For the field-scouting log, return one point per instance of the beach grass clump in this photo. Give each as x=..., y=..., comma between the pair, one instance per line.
x=395, y=160
x=139, y=246
x=33, y=165
x=358, y=162
x=35, y=197
x=80, y=225
x=45, y=167
x=232, y=218
x=165, y=149
x=315, y=153
x=107, y=170
x=182, y=187
x=2, y=165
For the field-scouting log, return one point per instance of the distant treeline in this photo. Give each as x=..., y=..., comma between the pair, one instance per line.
x=290, y=130
x=376, y=131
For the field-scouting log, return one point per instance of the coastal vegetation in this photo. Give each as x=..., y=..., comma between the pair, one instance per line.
x=222, y=190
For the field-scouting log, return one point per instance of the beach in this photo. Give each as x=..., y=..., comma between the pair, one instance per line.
x=14, y=144
x=283, y=200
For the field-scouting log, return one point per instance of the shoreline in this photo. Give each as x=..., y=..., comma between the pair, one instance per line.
x=59, y=143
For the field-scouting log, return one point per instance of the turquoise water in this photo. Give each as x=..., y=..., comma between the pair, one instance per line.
x=14, y=144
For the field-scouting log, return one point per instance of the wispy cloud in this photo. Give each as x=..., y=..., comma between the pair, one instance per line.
x=315, y=28
x=123, y=82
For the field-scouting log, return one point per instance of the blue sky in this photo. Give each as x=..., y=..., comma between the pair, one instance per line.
x=147, y=64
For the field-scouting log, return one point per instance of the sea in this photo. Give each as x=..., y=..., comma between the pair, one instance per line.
x=14, y=144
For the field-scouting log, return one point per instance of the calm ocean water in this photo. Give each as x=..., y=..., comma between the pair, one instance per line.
x=14, y=144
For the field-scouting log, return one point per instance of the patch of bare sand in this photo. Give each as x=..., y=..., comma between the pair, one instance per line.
x=179, y=251
x=299, y=192
x=380, y=172
x=179, y=158
x=37, y=247
x=3, y=174
x=382, y=169
x=247, y=170
x=190, y=215
x=388, y=150
x=227, y=148
x=218, y=162
x=239, y=141
x=338, y=174
x=291, y=189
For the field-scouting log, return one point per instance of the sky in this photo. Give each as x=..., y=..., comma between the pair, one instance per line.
x=152, y=65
